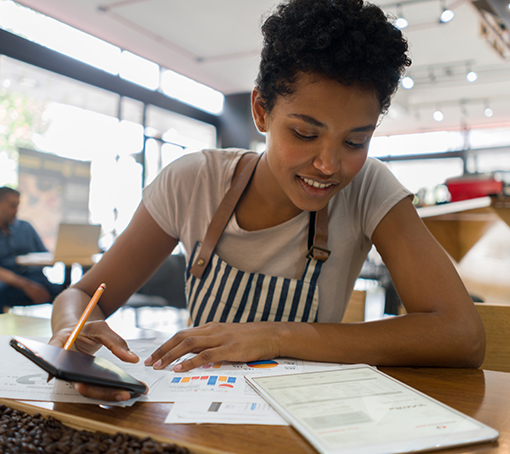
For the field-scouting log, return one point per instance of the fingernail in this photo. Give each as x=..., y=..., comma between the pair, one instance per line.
x=122, y=397
x=177, y=367
x=158, y=364
x=148, y=361
x=133, y=354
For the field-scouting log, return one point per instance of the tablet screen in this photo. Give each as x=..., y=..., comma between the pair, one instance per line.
x=362, y=410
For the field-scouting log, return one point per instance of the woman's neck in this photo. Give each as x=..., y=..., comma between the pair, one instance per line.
x=260, y=206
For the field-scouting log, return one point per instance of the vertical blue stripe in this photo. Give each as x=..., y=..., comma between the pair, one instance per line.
x=282, y=300
x=231, y=379
x=205, y=300
x=176, y=379
x=212, y=380
x=244, y=299
x=269, y=299
x=256, y=298
x=191, y=282
x=311, y=290
x=295, y=301
x=219, y=294
x=231, y=296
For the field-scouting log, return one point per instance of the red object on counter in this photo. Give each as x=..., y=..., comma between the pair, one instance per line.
x=465, y=188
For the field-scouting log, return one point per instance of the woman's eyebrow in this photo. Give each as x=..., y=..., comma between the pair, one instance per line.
x=367, y=128
x=312, y=121
x=307, y=119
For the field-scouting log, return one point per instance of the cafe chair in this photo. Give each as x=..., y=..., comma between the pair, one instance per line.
x=496, y=319
x=166, y=287
x=355, y=311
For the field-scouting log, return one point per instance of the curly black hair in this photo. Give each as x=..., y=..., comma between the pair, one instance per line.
x=350, y=41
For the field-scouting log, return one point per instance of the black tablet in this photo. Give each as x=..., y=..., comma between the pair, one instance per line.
x=75, y=366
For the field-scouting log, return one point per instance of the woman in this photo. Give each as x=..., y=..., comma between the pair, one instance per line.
x=279, y=241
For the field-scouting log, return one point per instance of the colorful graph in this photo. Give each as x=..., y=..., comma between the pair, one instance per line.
x=265, y=364
x=210, y=380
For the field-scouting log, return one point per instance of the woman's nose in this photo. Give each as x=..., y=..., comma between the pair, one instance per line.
x=327, y=160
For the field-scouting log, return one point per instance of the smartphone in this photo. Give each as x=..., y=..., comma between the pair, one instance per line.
x=76, y=366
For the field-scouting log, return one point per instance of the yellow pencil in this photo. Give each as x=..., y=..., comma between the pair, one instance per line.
x=86, y=313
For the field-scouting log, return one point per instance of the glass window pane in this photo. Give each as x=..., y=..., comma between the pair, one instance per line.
x=59, y=37
x=425, y=173
x=191, y=92
x=139, y=70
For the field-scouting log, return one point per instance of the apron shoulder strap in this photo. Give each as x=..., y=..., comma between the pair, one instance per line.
x=318, y=249
x=242, y=176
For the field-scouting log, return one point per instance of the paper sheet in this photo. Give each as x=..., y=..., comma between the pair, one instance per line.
x=250, y=411
x=194, y=392
x=224, y=381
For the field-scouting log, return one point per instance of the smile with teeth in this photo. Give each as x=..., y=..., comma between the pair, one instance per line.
x=316, y=184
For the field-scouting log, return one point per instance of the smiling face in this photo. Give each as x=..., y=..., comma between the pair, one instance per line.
x=317, y=141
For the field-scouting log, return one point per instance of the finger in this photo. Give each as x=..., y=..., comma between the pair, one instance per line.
x=169, y=345
x=169, y=352
x=96, y=392
x=187, y=339
x=58, y=339
x=203, y=358
x=115, y=343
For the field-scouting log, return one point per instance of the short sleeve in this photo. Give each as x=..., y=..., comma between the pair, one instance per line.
x=376, y=191
x=167, y=197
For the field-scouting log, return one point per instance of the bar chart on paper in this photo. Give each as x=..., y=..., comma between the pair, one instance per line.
x=222, y=379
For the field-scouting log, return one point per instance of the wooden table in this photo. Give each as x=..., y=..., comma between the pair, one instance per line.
x=459, y=225
x=483, y=395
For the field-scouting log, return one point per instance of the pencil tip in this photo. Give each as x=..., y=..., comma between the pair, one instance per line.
x=50, y=377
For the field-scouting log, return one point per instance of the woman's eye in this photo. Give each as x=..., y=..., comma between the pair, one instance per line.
x=304, y=137
x=355, y=144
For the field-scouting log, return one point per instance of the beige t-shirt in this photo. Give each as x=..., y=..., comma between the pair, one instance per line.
x=185, y=195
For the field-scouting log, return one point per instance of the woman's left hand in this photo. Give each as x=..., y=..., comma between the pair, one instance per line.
x=236, y=342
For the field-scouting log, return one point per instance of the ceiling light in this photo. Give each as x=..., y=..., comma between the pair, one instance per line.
x=446, y=16
x=438, y=115
x=400, y=21
x=407, y=82
x=471, y=76
x=488, y=112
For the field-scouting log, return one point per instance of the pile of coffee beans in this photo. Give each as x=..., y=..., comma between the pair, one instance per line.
x=21, y=433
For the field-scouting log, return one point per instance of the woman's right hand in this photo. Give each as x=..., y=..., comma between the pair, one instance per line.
x=92, y=337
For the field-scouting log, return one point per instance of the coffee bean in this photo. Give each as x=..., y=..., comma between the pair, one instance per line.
x=21, y=433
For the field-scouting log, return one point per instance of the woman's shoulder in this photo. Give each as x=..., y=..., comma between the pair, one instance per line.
x=375, y=176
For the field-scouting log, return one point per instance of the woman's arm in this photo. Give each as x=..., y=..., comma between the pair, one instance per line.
x=134, y=257
x=441, y=327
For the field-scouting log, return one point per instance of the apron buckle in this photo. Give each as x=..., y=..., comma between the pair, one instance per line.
x=318, y=253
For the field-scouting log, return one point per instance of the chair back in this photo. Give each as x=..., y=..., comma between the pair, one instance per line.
x=355, y=311
x=496, y=319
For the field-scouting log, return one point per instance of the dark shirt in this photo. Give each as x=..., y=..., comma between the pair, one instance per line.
x=22, y=239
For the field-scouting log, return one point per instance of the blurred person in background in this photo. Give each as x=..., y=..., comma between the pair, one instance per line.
x=20, y=285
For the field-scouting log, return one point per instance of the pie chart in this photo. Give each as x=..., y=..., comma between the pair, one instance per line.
x=265, y=364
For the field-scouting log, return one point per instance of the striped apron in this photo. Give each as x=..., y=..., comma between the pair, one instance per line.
x=219, y=292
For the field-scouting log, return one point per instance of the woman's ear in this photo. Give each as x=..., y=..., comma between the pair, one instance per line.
x=258, y=112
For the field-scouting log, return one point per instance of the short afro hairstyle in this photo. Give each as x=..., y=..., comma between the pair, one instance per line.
x=350, y=41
